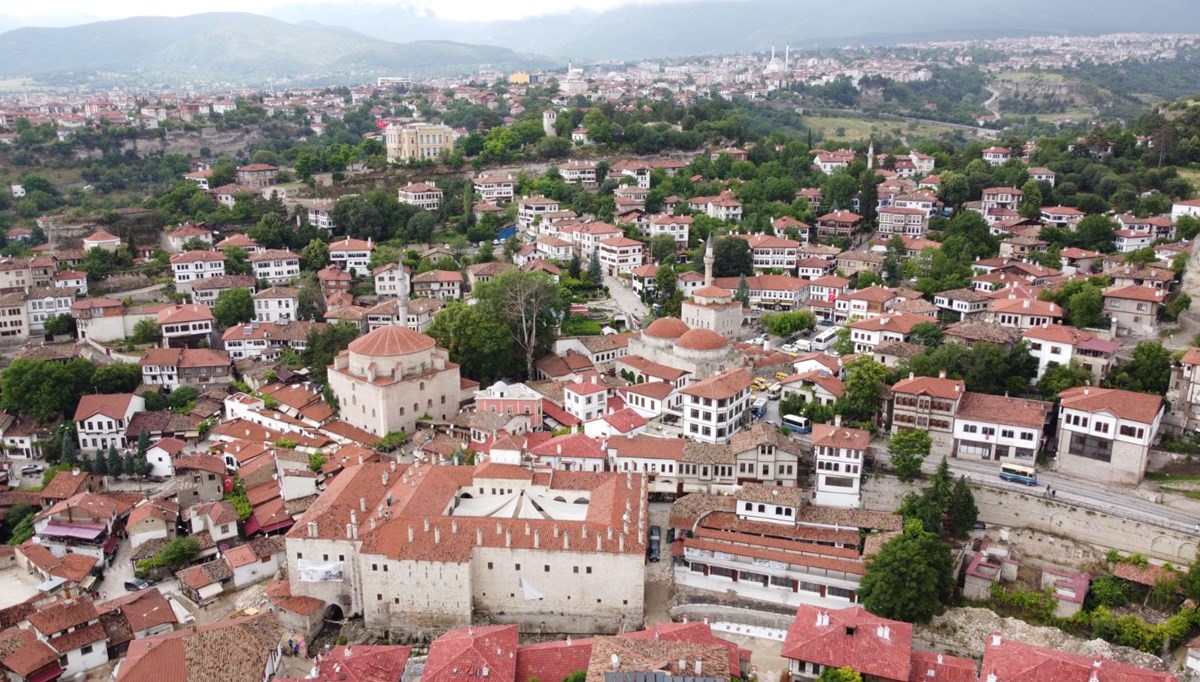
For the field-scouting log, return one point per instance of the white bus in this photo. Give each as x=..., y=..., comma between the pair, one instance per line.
x=796, y=424
x=1018, y=473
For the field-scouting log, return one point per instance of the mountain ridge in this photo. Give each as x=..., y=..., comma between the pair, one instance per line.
x=237, y=47
x=676, y=30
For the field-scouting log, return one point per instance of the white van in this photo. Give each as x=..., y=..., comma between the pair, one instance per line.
x=822, y=341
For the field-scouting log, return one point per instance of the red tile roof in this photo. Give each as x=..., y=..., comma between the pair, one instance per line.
x=462, y=655
x=1138, y=407
x=950, y=389
x=1009, y=659
x=852, y=638
x=391, y=340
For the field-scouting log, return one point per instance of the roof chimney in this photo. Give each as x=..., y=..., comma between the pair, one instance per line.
x=942, y=374
x=996, y=640
x=837, y=420
x=537, y=537
x=410, y=534
x=437, y=536
x=508, y=538
x=479, y=536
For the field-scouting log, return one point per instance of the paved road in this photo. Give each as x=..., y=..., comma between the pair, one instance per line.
x=625, y=299
x=1116, y=501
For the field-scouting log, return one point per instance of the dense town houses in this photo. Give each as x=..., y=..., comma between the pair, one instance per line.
x=402, y=494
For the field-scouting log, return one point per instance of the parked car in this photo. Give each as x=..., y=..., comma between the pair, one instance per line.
x=654, y=547
x=32, y=469
x=789, y=348
x=136, y=584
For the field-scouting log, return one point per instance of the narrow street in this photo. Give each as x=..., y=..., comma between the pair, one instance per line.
x=627, y=301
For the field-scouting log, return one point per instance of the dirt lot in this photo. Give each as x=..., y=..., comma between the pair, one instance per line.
x=963, y=632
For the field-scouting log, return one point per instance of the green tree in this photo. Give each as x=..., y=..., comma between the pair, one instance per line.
x=482, y=345
x=742, y=294
x=787, y=323
x=926, y=334
x=146, y=331
x=961, y=510
x=911, y=578
x=574, y=267
x=1096, y=233
x=1058, y=378
x=908, y=449
x=44, y=389
x=1031, y=199
x=1175, y=307
x=68, y=454
x=115, y=464
x=864, y=389
x=314, y=255
x=60, y=325
x=530, y=304
x=117, y=377
x=1191, y=580
x=323, y=345
x=18, y=524
x=954, y=188
x=595, y=272
x=662, y=247
x=420, y=227
x=732, y=257
x=179, y=552
x=839, y=675
x=233, y=307
x=237, y=261
x=1149, y=371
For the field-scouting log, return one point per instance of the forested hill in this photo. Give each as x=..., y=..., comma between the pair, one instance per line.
x=235, y=48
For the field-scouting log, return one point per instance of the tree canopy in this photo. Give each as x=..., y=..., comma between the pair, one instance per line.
x=911, y=578
x=233, y=307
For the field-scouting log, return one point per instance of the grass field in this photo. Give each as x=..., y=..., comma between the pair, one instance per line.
x=1192, y=176
x=854, y=129
x=1032, y=77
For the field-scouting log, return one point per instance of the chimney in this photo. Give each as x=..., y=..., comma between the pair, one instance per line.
x=479, y=536
x=507, y=539
x=837, y=420
x=699, y=667
x=537, y=537
x=362, y=505
x=437, y=536
x=454, y=526
x=616, y=662
x=940, y=658
x=621, y=543
x=410, y=534
x=996, y=640
x=911, y=376
x=426, y=525
x=312, y=529
x=942, y=374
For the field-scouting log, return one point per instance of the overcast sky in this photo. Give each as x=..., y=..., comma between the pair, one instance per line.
x=89, y=10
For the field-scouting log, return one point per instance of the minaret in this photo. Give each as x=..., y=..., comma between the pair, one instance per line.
x=871, y=155
x=402, y=301
x=787, y=56
x=709, y=259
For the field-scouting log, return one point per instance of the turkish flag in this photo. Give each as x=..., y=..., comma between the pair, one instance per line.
x=832, y=295
x=380, y=123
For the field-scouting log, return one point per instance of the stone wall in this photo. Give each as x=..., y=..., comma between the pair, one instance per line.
x=1055, y=522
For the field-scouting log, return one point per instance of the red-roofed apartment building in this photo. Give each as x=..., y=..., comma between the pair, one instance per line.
x=1104, y=434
